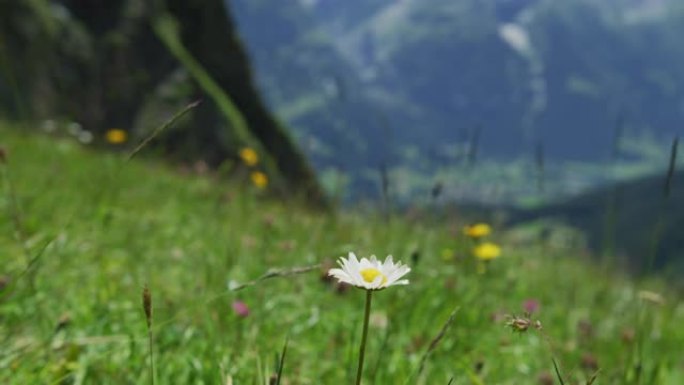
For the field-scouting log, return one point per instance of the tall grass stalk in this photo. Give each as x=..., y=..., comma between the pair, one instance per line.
x=281, y=362
x=473, y=145
x=659, y=227
x=378, y=361
x=435, y=341
x=17, y=219
x=161, y=128
x=147, y=307
x=385, y=191
x=558, y=373
x=14, y=209
x=612, y=203
x=541, y=167
x=550, y=345
x=167, y=29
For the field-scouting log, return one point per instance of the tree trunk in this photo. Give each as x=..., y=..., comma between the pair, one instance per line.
x=210, y=35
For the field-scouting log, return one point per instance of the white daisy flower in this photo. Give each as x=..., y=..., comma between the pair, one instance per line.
x=370, y=274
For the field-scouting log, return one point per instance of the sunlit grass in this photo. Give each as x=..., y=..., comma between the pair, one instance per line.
x=100, y=229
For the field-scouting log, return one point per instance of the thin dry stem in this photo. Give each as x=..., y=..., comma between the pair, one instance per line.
x=163, y=127
x=435, y=341
x=275, y=273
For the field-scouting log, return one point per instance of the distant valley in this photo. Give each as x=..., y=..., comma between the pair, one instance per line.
x=499, y=101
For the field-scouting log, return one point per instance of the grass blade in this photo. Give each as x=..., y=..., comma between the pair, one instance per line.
x=161, y=128
x=281, y=364
x=435, y=341
x=558, y=374
x=667, y=188
x=277, y=273
x=147, y=308
x=593, y=377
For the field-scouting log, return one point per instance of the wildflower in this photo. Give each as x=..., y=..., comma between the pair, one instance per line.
x=530, y=305
x=74, y=129
x=49, y=126
x=85, y=137
x=370, y=274
x=116, y=136
x=627, y=335
x=233, y=285
x=63, y=321
x=259, y=179
x=147, y=305
x=487, y=251
x=589, y=362
x=545, y=378
x=585, y=328
x=249, y=156
x=477, y=230
x=241, y=309
x=522, y=324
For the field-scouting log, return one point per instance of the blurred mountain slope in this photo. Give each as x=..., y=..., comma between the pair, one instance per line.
x=624, y=219
x=370, y=82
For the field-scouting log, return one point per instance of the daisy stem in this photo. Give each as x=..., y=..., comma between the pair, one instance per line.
x=364, y=336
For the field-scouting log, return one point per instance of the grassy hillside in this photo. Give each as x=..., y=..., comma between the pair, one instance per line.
x=81, y=234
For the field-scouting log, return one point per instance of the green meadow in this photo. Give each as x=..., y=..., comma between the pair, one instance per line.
x=235, y=274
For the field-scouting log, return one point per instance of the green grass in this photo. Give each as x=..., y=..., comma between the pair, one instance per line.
x=97, y=229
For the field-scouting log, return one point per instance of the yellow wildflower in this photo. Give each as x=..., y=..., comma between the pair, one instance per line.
x=477, y=230
x=249, y=156
x=259, y=179
x=487, y=251
x=116, y=136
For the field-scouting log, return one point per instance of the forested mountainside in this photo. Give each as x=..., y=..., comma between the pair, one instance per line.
x=424, y=87
x=636, y=223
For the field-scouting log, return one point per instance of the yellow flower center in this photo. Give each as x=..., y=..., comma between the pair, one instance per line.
x=370, y=274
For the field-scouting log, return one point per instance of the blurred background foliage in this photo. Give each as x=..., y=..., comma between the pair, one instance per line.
x=532, y=108
x=124, y=64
